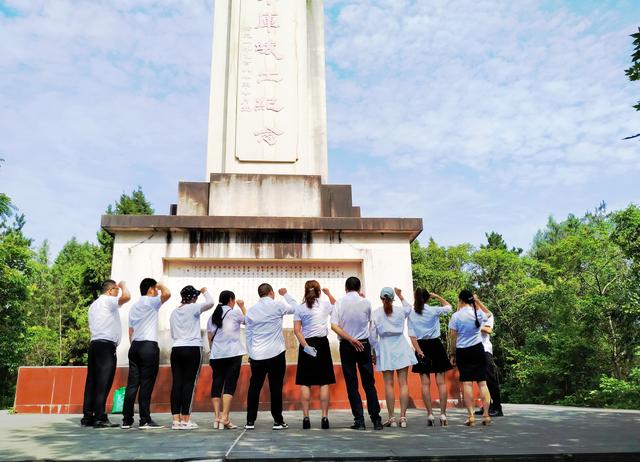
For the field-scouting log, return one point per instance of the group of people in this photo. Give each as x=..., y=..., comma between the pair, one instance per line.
x=367, y=337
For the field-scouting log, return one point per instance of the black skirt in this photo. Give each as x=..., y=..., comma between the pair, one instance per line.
x=435, y=358
x=318, y=370
x=472, y=363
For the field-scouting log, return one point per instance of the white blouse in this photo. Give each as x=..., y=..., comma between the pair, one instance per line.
x=427, y=325
x=314, y=320
x=383, y=325
x=463, y=322
x=185, y=322
x=226, y=341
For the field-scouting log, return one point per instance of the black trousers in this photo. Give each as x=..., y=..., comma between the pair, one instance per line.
x=144, y=361
x=361, y=360
x=275, y=368
x=225, y=373
x=100, y=371
x=493, y=383
x=185, y=366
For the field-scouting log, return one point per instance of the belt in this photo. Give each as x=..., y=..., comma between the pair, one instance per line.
x=110, y=342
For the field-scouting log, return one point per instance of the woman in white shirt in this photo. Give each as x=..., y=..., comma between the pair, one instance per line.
x=226, y=354
x=392, y=351
x=467, y=352
x=186, y=354
x=315, y=367
x=424, y=332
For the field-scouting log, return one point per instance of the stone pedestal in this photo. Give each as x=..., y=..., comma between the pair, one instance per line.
x=239, y=252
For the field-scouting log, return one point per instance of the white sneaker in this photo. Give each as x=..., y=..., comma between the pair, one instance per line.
x=176, y=425
x=189, y=425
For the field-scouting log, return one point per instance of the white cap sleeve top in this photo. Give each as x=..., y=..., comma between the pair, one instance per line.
x=314, y=320
x=463, y=322
x=426, y=325
x=185, y=322
x=226, y=341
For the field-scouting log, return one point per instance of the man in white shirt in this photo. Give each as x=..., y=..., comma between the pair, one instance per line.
x=351, y=319
x=144, y=354
x=105, y=328
x=266, y=348
x=493, y=384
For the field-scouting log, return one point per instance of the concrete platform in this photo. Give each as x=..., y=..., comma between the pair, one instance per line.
x=526, y=433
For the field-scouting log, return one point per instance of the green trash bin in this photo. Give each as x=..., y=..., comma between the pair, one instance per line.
x=118, y=400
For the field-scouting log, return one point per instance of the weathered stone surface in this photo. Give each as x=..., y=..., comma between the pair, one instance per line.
x=116, y=223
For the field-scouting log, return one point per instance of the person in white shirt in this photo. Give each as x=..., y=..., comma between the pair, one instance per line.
x=393, y=354
x=351, y=319
x=144, y=354
x=467, y=352
x=424, y=332
x=493, y=382
x=105, y=328
x=265, y=343
x=186, y=354
x=315, y=366
x=225, y=359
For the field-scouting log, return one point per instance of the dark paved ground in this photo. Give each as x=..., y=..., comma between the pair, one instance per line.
x=526, y=433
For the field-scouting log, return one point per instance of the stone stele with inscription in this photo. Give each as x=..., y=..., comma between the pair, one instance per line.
x=265, y=212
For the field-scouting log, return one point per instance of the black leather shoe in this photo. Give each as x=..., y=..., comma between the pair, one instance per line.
x=104, y=424
x=358, y=426
x=494, y=413
x=324, y=423
x=377, y=424
x=306, y=423
x=85, y=423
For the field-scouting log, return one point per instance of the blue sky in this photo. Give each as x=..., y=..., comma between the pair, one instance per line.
x=474, y=115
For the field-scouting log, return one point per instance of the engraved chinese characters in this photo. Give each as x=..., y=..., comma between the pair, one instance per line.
x=268, y=87
x=243, y=277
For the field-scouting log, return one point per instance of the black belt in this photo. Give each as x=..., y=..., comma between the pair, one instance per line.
x=364, y=340
x=110, y=342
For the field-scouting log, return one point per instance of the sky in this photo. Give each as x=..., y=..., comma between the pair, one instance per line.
x=475, y=115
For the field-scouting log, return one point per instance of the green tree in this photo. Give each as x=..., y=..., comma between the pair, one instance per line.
x=15, y=271
x=633, y=72
x=44, y=315
x=134, y=204
x=440, y=269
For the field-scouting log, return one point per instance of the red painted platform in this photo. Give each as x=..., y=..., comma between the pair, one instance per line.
x=60, y=390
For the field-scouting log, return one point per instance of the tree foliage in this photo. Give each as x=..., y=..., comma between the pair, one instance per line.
x=43, y=304
x=567, y=312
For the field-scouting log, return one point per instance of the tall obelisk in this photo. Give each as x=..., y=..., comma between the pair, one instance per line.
x=267, y=112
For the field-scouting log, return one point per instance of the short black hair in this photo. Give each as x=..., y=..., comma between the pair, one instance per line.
x=107, y=285
x=352, y=284
x=264, y=289
x=146, y=284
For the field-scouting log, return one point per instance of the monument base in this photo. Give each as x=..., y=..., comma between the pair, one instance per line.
x=60, y=390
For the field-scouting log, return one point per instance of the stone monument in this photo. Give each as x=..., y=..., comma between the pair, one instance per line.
x=265, y=212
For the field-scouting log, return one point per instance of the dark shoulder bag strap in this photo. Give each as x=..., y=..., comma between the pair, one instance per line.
x=217, y=328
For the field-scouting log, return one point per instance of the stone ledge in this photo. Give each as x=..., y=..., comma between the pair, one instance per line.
x=118, y=223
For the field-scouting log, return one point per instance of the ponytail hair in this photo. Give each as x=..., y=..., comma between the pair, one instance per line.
x=420, y=297
x=311, y=292
x=466, y=296
x=225, y=297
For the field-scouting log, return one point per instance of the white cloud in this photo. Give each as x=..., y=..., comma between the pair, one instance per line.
x=501, y=112
x=474, y=114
